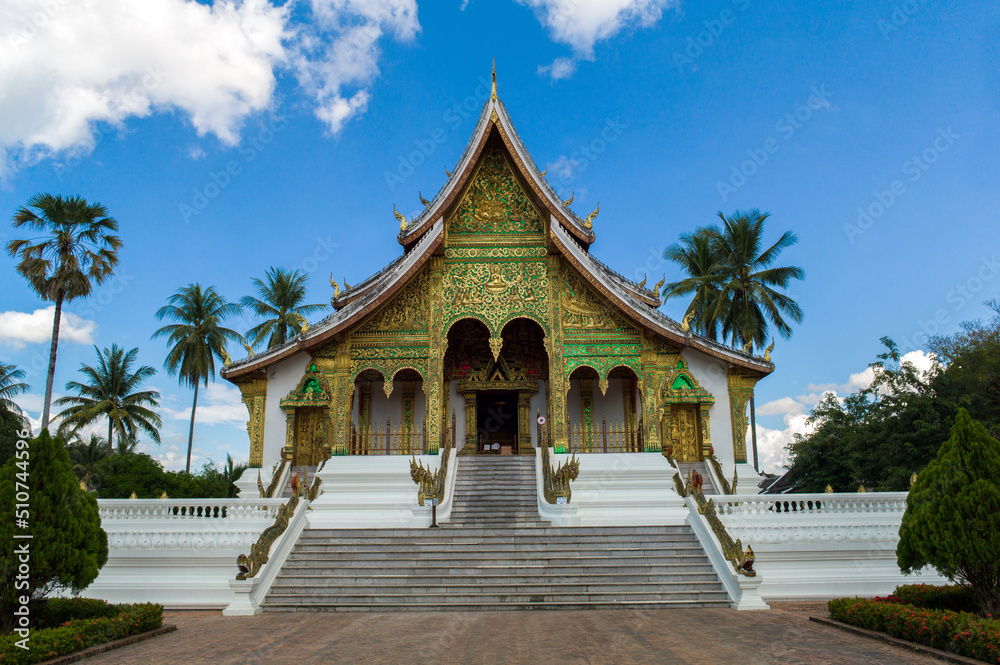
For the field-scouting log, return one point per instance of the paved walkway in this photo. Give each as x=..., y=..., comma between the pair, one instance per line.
x=703, y=636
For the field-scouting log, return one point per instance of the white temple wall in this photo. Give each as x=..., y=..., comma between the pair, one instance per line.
x=456, y=402
x=281, y=380
x=711, y=374
x=538, y=407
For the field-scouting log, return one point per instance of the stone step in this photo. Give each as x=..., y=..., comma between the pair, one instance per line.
x=439, y=599
x=414, y=587
x=463, y=559
x=323, y=580
x=447, y=538
x=721, y=602
x=448, y=570
x=545, y=531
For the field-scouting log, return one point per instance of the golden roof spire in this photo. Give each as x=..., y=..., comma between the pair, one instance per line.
x=493, y=92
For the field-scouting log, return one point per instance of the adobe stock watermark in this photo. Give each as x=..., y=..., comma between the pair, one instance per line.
x=958, y=297
x=22, y=536
x=568, y=167
x=784, y=129
x=99, y=299
x=425, y=147
x=696, y=45
x=913, y=168
x=35, y=23
x=901, y=16
x=218, y=180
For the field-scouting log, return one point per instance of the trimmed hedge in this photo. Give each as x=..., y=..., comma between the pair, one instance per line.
x=57, y=611
x=952, y=597
x=958, y=632
x=80, y=633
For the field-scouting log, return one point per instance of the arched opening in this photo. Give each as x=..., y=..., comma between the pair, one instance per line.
x=604, y=413
x=388, y=417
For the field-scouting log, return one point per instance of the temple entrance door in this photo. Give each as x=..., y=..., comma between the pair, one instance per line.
x=308, y=450
x=685, y=434
x=497, y=419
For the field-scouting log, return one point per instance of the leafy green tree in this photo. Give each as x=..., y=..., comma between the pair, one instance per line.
x=85, y=455
x=952, y=519
x=68, y=545
x=77, y=250
x=13, y=428
x=280, y=300
x=112, y=391
x=196, y=339
x=11, y=385
x=117, y=476
x=695, y=254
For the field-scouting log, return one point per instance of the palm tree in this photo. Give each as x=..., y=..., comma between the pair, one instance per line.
x=85, y=455
x=696, y=256
x=747, y=297
x=230, y=474
x=11, y=385
x=112, y=391
x=197, y=338
x=76, y=251
x=281, y=300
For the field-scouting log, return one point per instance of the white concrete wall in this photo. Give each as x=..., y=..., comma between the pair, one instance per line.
x=281, y=380
x=711, y=374
x=538, y=407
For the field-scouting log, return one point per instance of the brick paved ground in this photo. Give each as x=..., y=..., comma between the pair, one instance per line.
x=782, y=635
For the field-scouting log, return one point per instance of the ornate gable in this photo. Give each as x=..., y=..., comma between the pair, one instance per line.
x=494, y=202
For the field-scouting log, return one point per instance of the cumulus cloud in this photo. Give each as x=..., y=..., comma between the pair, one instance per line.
x=66, y=67
x=564, y=167
x=561, y=68
x=771, y=443
x=217, y=404
x=20, y=328
x=582, y=23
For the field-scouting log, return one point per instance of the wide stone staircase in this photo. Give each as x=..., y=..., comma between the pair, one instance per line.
x=495, y=553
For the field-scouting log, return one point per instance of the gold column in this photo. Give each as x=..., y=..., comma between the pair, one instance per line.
x=523, y=421
x=408, y=405
x=254, y=394
x=741, y=384
x=706, y=436
x=289, y=433
x=434, y=375
x=557, y=387
x=365, y=409
x=471, y=423
x=587, y=405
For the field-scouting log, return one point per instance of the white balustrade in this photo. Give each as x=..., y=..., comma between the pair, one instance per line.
x=187, y=509
x=870, y=503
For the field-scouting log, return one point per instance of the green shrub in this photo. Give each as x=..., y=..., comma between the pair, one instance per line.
x=57, y=611
x=78, y=634
x=928, y=596
x=960, y=632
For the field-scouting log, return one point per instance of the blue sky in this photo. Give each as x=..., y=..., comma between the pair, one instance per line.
x=226, y=140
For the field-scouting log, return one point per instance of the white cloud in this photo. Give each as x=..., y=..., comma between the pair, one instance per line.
x=66, y=67
x=217, y=404
x=561, y=68
x=582, y=23
x=20, y=328
x=564, y=167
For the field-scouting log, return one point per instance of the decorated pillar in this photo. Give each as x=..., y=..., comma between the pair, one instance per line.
x=741, y=384
x=524, y=421
x=438, y=344
x=558, y=384
x=587, y=405
x=409, y=403
x=471, y=422
x=365, y=408
x=254, y=392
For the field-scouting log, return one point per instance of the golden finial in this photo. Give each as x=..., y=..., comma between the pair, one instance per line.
x=748, y=348
x=347, y=287
x=336, y=287
x=589, y=222
x=861, y=488
x=301, y=322
x=913, y=479
x=829, y=489
x=402, y=222
x=767, y=351
x=545, y=171
x=250, y=348
x=642, y=284
x=569, y=201
x=422, y=199
x=164, y=495
x=493, y=92
x=226, y=360
x=686, y=322
x=448, y=172
x=133, y=496
x=659, y=285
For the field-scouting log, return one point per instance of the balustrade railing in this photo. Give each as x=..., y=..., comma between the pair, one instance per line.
x=813, y=504
x=605, y=438
x=741, y=560
x=389, y=440
x=187, y=509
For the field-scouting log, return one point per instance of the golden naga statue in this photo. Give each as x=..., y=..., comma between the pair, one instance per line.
x=301, y=322
x=642, y=284
x=767, y=351
x=545, y=171
x=589, y=222
x=226, y=360
x=403, y=225
x=249, y=349
x=569, y=201
x=748, y=348
x=448, y=172
x=659, y=285
x=422, y=199
x=686, y=322
x=336, y=287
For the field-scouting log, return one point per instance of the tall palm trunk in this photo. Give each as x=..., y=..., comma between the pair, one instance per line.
x=50, y=379
x=194, y=407
x=111, y=431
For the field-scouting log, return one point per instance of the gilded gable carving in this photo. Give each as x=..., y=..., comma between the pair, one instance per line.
x=495, y=203
x=407, y=312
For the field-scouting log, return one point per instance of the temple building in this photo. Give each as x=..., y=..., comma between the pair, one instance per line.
x=495, y=319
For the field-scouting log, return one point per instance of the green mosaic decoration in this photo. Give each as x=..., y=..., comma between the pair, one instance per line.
x=495, y=204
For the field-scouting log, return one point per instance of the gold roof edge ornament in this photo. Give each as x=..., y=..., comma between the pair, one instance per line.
x=493, y=90
x=568, y=201
x=686, y=322
x=336, y=287
x=250, y=348
x=767, y=351
x=545, y=171
x=659, y=285
x=450, y=174
x=226, y=360
x=422, y=199
x=347, y=287
x=748, y=348
x=403, y=225
x=589, y=222
x=642, y=284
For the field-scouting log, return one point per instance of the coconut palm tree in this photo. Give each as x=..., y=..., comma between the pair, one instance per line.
x=747, y=298
x=230, y=474
x=75, y=251
x=695, y=255
x=85, y=455
x=196, y=339
x=281, y=301
x=11, y=385
x=111, y=391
